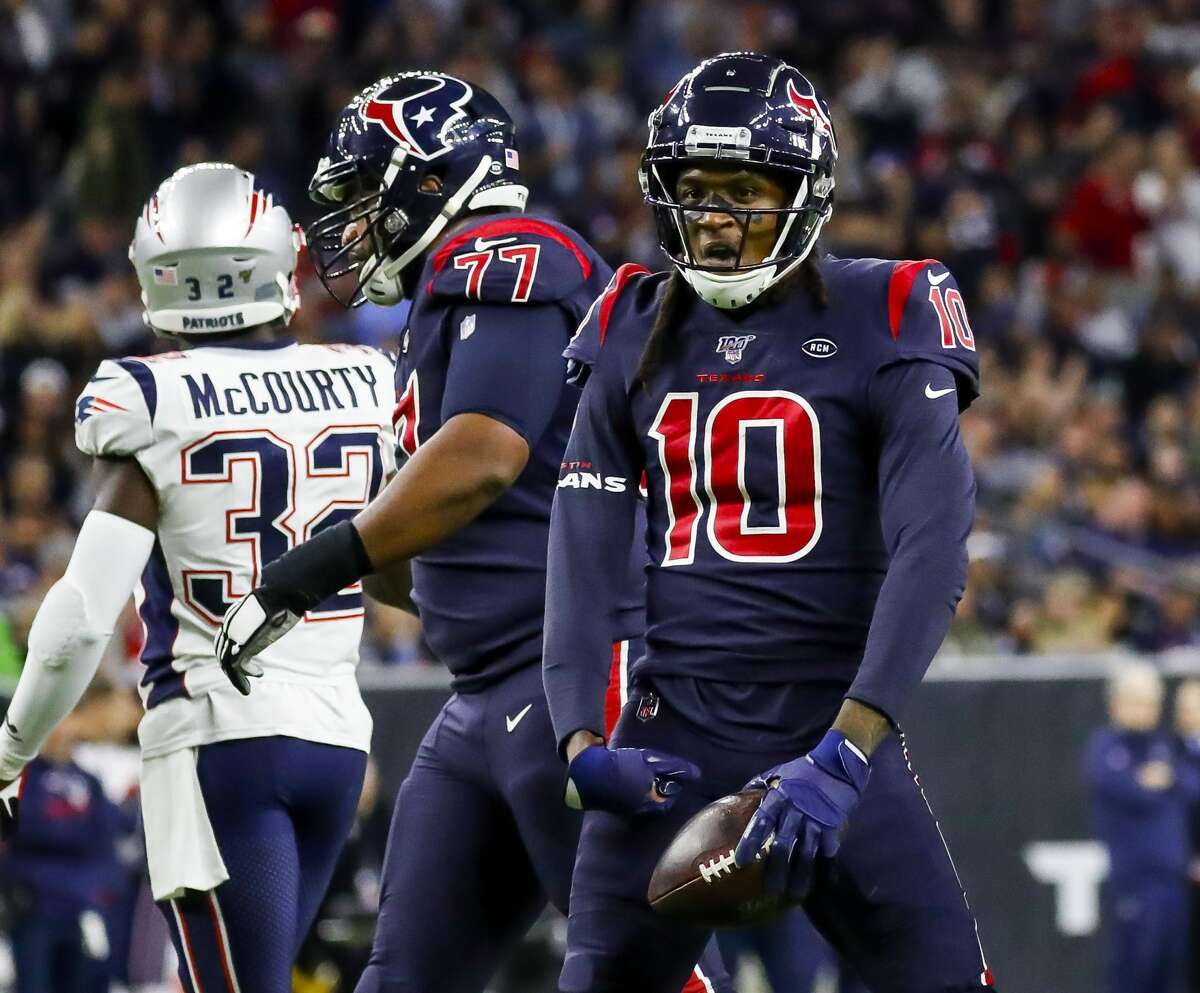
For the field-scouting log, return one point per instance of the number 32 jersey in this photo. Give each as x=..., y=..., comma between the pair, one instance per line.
x=782, y=445
x=251, y=450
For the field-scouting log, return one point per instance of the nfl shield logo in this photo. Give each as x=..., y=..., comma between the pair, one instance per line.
x=648, y=707
x=732, y=346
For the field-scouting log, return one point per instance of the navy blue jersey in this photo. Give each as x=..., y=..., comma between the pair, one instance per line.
x=64, y=852
x=809, y=496
x=1146, y=830
x=497, y=304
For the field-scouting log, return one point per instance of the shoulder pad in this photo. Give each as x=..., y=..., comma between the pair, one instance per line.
x=114, y=414
x=927, y=319
x=513, y=260
x=584, y=347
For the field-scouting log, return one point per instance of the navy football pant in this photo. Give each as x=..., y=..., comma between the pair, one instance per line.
x=480, y=839
x=1148, y=933
x=281, y=809
x=890, y=901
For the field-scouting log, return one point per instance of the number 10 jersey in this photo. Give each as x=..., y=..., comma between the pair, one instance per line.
x=775, y=440
x=251, y=449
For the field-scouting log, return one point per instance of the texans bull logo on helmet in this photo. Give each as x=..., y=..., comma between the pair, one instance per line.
x=810, y=106
x=418, y=121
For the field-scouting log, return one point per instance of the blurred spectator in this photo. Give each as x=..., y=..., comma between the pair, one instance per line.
x=60, y=874
x=1142, y=797
x=1187, y=730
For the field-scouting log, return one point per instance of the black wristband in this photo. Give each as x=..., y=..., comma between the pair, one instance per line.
x=315, y=570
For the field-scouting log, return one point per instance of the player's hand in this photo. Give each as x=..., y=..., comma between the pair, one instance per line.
x=808, y=802
x=10, y=802
x=250, y=625
x=1156, y=775
x=627, y=780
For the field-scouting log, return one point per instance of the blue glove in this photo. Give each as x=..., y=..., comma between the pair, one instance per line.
x=807, y=804
x=619, y=780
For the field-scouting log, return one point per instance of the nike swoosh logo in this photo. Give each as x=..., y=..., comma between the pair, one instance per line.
x=11, y=728
x=934, y=394
x=936, y=280
x=483, y=246
x=101, y=379
x=512, y=722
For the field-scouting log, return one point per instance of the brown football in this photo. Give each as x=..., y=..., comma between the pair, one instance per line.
x=695, y=879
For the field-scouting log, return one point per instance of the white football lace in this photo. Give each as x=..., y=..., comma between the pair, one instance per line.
x=712, y=870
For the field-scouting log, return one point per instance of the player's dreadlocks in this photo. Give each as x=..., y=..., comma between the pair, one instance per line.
x=662, y=342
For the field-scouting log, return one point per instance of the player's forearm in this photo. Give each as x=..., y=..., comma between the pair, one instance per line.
x=392, y=586
x=912, y=616
x=451, y=479
x=590, y=534
x=70, y=631
x=927, y=505
x=449, y=482
x=864, y=726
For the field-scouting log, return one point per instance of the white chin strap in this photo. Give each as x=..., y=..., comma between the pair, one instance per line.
x=383, y=287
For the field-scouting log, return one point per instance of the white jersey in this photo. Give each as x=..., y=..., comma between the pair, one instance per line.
x=252, y=449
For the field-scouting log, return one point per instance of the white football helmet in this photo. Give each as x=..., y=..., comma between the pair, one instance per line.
x=214, y=254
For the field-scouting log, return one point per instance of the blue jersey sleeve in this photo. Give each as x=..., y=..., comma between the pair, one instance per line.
x=506, y=362
x=927, y=504
x=589, y=337
x=591, y=532
x=928, y=320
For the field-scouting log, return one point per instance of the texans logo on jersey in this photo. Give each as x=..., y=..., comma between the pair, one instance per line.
x=419, y=121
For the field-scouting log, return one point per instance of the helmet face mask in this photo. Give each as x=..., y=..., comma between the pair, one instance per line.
x=384, y=212
x=746, y=112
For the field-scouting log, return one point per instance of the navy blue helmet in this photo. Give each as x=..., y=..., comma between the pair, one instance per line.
x=754, y=111
x=387, y=143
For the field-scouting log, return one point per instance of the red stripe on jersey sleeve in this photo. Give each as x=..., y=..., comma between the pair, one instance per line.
x=514, y=225
x=622, y=276
x=904, y=274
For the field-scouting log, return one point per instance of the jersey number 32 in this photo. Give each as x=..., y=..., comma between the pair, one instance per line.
x=266, y=526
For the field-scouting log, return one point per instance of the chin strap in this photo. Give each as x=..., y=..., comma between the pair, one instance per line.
x=384, y=281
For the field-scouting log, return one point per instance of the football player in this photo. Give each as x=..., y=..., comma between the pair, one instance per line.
x=210, y=462
x=809, y=501
x=426, y=203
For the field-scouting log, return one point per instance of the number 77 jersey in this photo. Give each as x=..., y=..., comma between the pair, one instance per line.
x=761, y=433
x=251, y=450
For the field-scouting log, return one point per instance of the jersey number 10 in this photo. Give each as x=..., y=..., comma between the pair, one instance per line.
x=792, y=490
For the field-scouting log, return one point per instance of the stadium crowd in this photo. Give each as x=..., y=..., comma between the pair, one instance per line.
x=1046, y=150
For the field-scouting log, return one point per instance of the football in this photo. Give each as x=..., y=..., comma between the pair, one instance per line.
x=696, y=879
